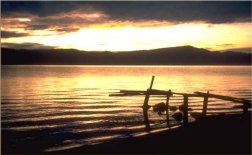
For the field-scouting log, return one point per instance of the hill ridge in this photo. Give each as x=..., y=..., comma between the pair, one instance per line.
x=182, y=55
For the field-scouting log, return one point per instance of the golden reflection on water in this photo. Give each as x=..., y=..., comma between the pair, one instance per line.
x=101, y=79
x=76, y=98
x=78, y=86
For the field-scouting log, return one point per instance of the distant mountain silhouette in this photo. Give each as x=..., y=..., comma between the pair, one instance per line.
x=184, y=55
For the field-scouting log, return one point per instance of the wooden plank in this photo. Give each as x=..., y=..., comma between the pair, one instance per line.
x=145, y=112
x=185, y=109
x=141, y=91
x=145, y=105
x=167, y=109
x=164, y=93
x=152, y=80
x=228, y=98
x=161, y=92
x=246, y=103
x=136, y=92
x=189, y=95
x=205, y=102
x=241, y=106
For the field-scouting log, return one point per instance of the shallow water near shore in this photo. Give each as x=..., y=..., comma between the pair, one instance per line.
x=70, y=106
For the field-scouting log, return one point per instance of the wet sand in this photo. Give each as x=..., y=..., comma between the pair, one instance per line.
x=225, y=134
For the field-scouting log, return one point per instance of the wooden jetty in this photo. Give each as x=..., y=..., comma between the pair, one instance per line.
x=244, y=103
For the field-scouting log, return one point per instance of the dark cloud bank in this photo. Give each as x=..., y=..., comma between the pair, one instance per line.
x=29, y=46
x=46, y=13
x=10, y=34
x=212, y=12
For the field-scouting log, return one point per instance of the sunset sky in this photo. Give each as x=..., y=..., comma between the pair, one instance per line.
x=126, y=26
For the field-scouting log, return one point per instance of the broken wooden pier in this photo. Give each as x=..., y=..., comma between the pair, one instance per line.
x=244, y=103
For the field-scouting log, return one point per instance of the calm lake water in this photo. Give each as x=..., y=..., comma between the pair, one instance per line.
x=70, y=106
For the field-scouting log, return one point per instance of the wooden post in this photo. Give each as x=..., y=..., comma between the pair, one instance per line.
x=145, y=105
x=245, y=107
x=152, y=80
x=205, y=102
x=167, y=108
x=185, y=109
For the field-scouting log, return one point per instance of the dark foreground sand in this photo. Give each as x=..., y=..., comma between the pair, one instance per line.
x=226, y=134
x=213, y=135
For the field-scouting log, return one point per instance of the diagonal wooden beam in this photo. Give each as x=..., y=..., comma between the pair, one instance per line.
x=227, y=98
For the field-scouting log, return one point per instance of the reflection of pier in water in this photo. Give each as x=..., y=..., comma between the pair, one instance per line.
x=244, y=104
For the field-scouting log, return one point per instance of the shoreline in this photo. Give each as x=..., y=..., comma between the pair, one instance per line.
x=220, y=134
x=224, y=134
